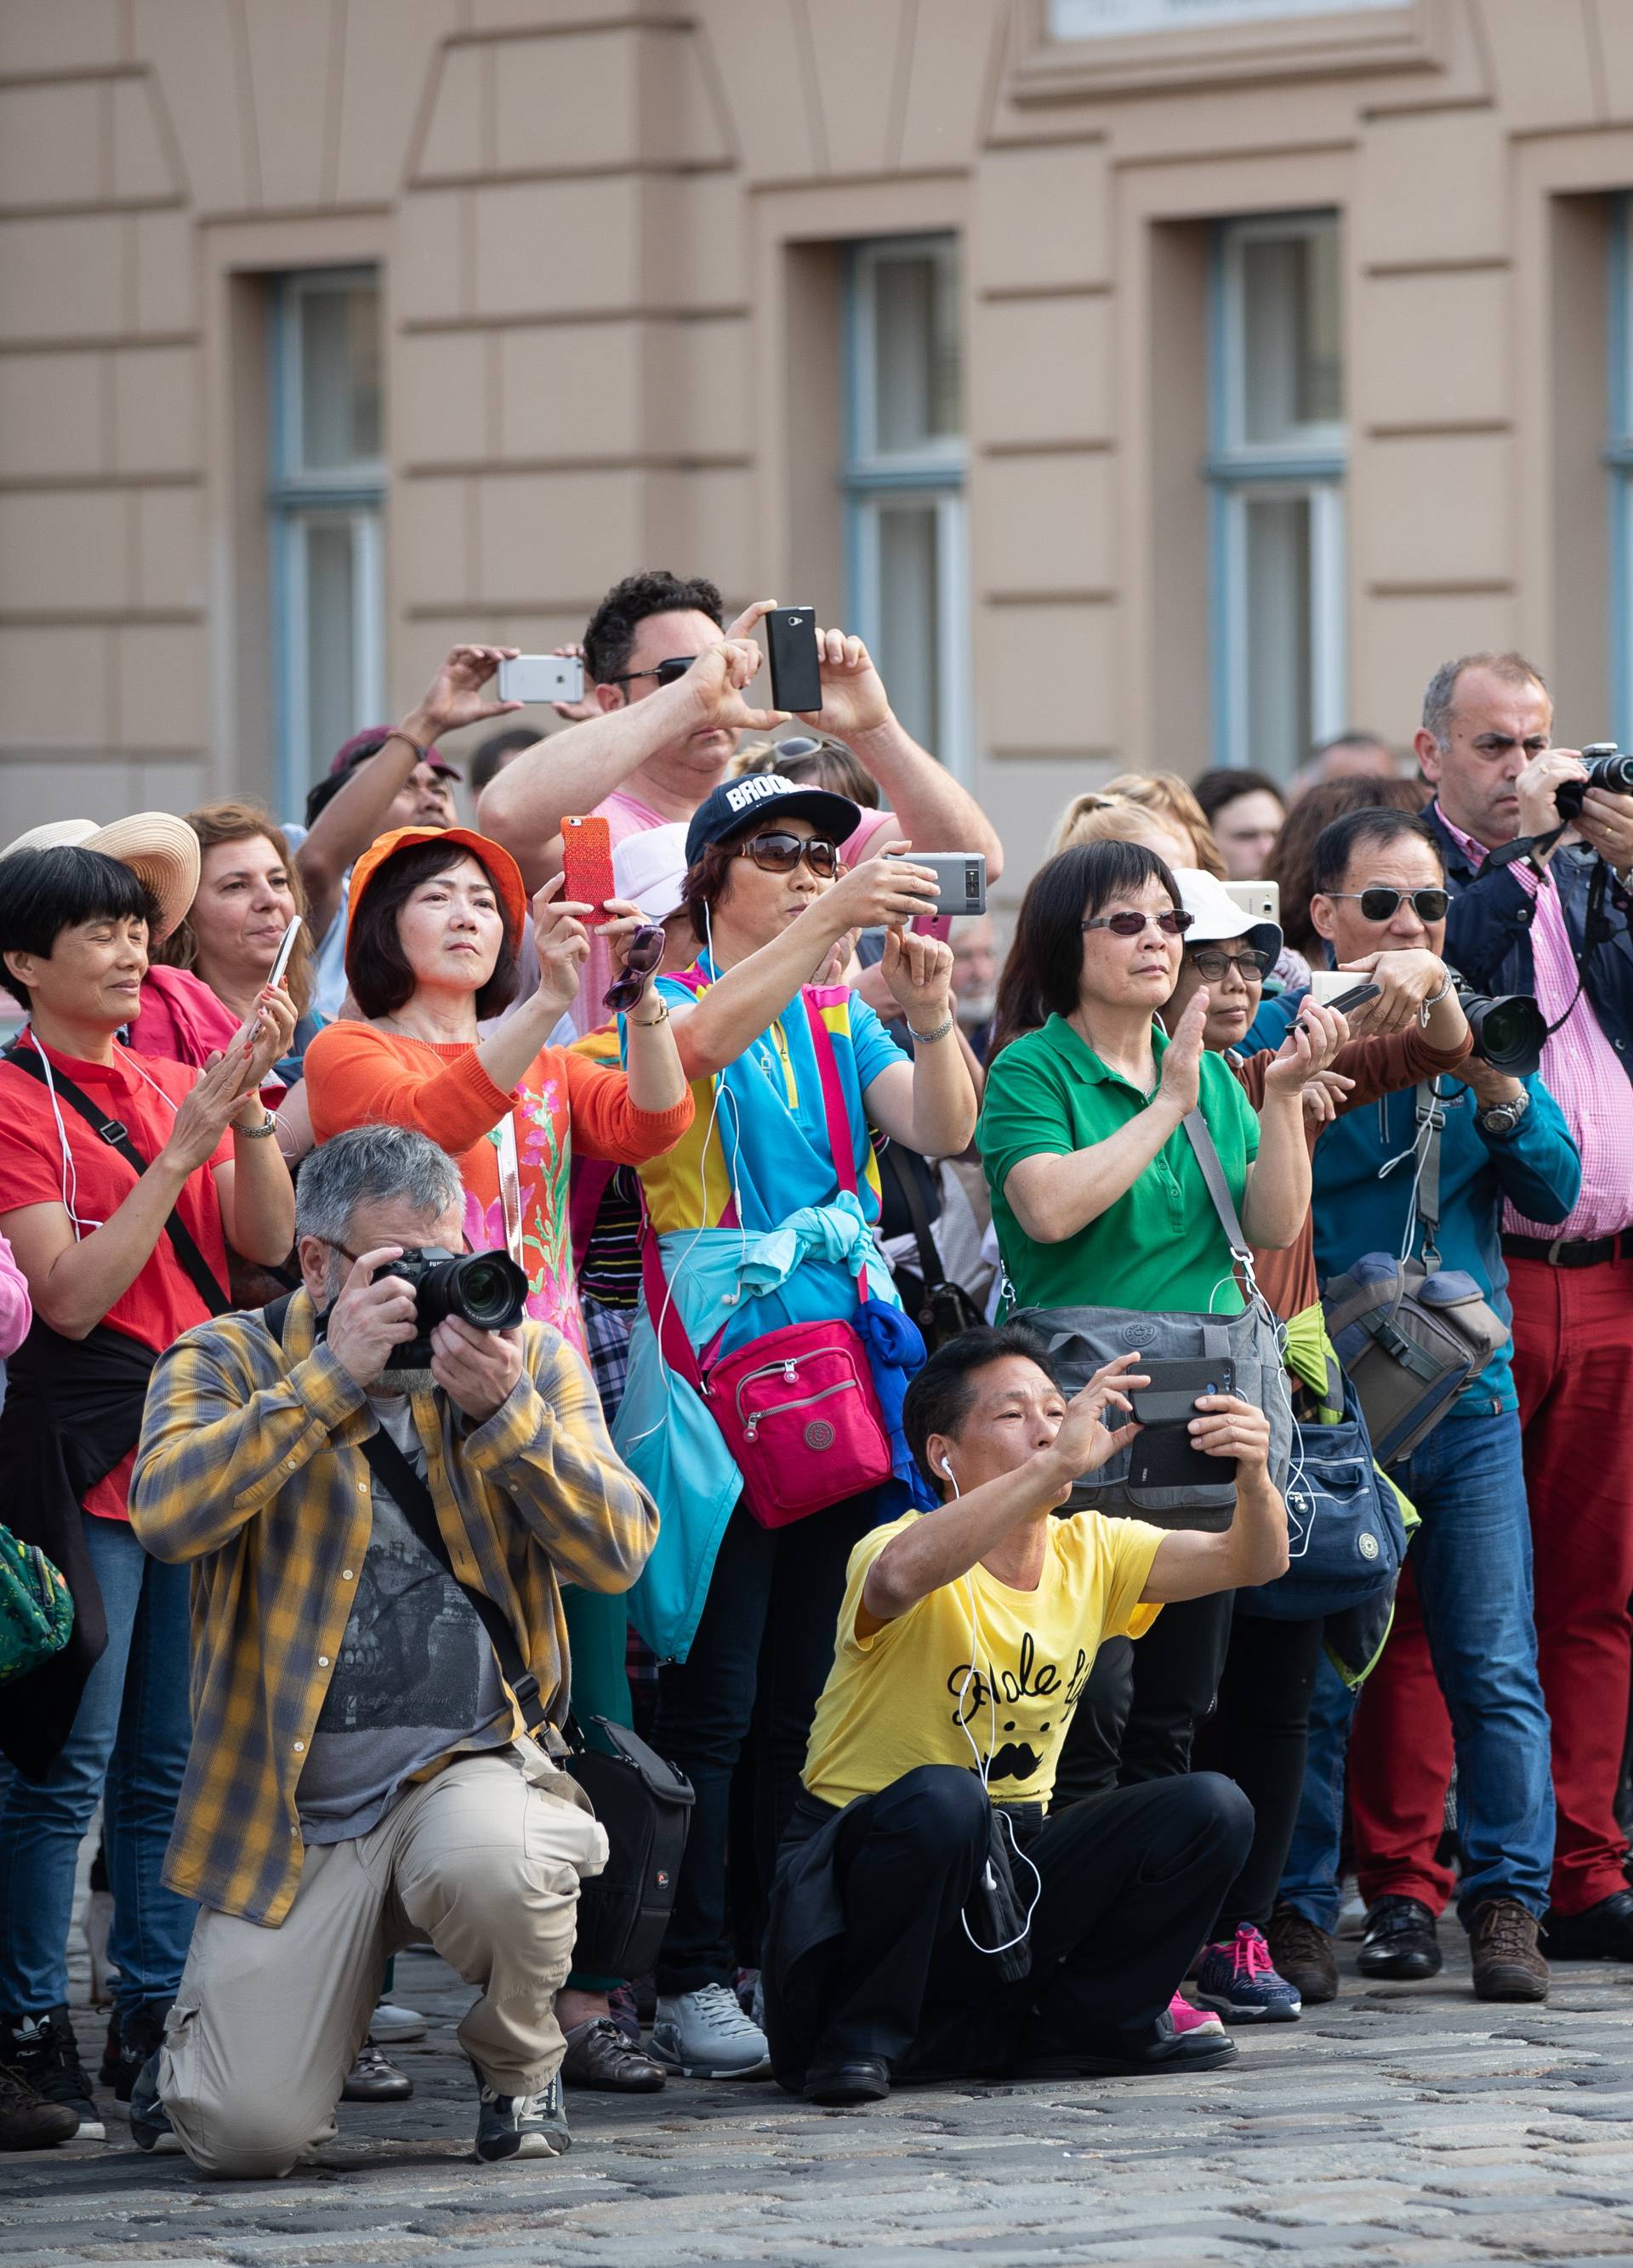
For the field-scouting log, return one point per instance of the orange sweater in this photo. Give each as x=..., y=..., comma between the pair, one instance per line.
x=357, y=1075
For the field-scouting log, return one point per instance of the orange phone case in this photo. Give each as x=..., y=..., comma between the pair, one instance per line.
x=587, y=865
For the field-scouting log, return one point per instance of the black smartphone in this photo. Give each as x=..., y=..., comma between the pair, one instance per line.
x=795, y=665
x=1357, y=997
x=1162, y=1455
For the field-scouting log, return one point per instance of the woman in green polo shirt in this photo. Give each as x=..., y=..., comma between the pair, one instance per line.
x=1099, y=1200
x=1097, y=1197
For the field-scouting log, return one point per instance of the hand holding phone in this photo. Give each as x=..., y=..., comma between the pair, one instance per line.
x=587, y=866
x=242, y=1043
x=795, y=663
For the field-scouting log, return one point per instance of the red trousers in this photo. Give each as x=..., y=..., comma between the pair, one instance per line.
x=1573, y=1371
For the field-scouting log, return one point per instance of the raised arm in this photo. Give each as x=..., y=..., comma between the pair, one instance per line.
x=349, y=823
x=748, y=998
x=1277, y=1200
x=928, y=1105
x=947, y=1543
x=927, y=804
x=523, y=806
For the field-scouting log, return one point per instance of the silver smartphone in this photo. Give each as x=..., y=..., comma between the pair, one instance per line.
x=1262, y=900
x=243, y=1040
x=962, y=877
x=539, y=677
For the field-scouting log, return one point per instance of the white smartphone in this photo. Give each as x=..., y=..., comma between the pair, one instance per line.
x=1262, y=900
x=243, y=1040
x=540, y=677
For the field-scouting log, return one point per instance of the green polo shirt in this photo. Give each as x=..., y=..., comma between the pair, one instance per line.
x=1160, y=1247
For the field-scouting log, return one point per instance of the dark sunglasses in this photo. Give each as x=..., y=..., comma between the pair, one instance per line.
x=667, y=673
x=1173, y=921
x=645, y=950
x=1380, y=902
x=1210, y=961
x=780, y=854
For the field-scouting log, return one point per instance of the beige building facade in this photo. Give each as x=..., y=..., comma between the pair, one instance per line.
x=1155, y=382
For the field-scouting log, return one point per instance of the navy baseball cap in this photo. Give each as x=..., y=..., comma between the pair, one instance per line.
x=737, y=805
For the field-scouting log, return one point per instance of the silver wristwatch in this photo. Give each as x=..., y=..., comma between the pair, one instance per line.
x=1503, y=1117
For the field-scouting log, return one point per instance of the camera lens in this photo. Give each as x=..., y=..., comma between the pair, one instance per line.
x=484, y=1289
x=1508, y=1033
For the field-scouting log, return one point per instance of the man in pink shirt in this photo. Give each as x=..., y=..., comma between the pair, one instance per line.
x=666, y=693
x=1548, y=915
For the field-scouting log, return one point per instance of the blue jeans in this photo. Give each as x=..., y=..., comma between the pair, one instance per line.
x=128, y=1745
x=1472, y=1557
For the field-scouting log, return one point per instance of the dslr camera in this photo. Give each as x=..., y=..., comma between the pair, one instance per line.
x=484, y=1289
x=1508, y=1027
x=1606, y=767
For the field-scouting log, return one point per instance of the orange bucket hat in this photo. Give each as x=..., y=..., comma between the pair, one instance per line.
x=502, y=869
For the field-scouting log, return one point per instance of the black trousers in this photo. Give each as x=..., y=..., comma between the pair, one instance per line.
x=1137, y=1716
x=1129, y=1883
x=763, y=1649
x=1258, y=1736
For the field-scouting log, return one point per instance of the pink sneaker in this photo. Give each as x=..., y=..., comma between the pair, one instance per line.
x=1184, y=2018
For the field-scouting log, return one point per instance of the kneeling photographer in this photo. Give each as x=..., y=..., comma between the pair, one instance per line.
x=1539, y=844
x=361, y=1476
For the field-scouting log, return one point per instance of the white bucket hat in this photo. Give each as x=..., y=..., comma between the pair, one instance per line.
x=156, y=845
x=1217, y=915
x=648, y=870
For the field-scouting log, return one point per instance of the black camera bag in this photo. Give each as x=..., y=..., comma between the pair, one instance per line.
x=645, y=1805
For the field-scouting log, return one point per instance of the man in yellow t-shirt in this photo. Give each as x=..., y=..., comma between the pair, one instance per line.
x=965, y=1639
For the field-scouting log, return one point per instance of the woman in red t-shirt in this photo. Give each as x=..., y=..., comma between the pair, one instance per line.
x=123, y=1179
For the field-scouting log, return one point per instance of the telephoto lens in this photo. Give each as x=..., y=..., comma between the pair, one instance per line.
x=484, y=1289
x=1607, y=768
x=1508, y=1027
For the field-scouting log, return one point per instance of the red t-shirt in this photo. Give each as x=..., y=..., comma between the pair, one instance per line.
x=161, y=1303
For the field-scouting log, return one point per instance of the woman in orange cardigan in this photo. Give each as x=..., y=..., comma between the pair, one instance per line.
x=431, y=953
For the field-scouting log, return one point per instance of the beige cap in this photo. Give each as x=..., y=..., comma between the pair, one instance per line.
x=156, y=845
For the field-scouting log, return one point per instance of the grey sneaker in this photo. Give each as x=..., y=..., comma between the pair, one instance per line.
x=706, y=2035
x=151, y=2129
x=522, y=2125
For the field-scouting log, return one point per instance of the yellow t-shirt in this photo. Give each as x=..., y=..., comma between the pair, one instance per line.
x=908, y=1695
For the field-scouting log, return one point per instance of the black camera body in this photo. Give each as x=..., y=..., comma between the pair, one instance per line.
x=1508, y=1027
x=1606, y=767
x=484, y=1289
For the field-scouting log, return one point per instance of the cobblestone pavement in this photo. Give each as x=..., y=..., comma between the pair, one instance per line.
x=1405, y=2124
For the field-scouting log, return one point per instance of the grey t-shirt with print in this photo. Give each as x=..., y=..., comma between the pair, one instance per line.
x=415, y=1677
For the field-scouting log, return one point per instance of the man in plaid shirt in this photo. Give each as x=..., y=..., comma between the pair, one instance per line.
x=360, y=1773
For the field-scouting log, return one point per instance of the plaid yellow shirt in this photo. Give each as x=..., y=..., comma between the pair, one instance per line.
x=250, y=1466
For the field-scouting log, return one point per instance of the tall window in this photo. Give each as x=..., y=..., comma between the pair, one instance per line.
x=1619, y=461
x=327, y=482
x=907, y=577
x=1277, y=471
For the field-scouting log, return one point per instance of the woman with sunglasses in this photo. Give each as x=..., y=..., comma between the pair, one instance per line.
x=756, y=1228
x=436, y=916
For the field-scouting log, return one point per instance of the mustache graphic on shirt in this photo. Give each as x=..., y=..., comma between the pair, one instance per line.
x=1014, y=1760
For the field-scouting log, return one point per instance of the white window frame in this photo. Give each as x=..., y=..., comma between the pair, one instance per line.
x=871, y=479
x=300, y=499
x=1619, y=470
x=1309, y=463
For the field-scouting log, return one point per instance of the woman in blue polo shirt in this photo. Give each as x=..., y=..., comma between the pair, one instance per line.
x=754, y=1230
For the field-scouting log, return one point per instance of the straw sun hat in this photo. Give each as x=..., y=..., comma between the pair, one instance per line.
x=156, y=845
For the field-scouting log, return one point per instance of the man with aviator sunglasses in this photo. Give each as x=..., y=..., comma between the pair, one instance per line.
x=670, y=682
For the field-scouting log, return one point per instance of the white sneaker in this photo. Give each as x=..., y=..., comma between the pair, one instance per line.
x=395, y=2024
x=704, y=2034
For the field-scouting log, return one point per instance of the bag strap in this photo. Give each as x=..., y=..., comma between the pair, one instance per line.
x=413, y=1500
x=839, y=1137
x=189, y=1259
x=1432, y=1114
x=930, y=1266
x=1218, y=1187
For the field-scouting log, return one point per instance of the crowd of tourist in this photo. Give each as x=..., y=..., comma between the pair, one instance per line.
x=1061, y=1446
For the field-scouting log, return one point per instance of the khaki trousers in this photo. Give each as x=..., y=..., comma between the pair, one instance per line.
x=484, y=1860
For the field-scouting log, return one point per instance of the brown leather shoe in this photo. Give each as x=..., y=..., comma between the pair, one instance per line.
x=1502, y=1941
x=599, y=2055
x=1304, y=1955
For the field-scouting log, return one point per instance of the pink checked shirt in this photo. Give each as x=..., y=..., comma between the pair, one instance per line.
x=1581, y=1070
